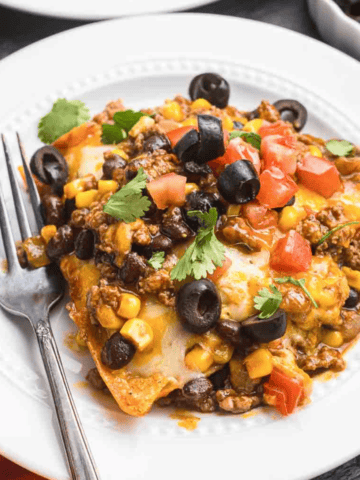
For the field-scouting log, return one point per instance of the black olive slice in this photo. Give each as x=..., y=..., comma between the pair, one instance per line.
x=50, y=167
x=117, y=352
x=265, y=330
x=211, y=86
x=198, y=305
x=292, y=111
x=289, y=204
x=239, y=182
x=352, y=300
x=211, y=139
x=186, y=148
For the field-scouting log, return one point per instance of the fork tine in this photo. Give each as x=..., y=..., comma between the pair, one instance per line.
x=24, y=226
x=8, y=239
x=34, y=194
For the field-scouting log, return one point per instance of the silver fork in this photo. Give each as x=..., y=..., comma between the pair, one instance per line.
x=31, y=294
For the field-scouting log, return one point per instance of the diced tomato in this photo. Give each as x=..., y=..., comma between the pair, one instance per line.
x=219, y=272
x=277, y=128
x=319, y=175
x=280, y=151
x=168, y=190
x=292, y=254
x=176, y=135
x=288, y=391
x=276, y=188
x=237, y=149
x=259, y=216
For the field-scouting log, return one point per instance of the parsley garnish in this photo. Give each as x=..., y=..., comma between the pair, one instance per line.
x=205, y=253
x=339, y=227
x=64, y=115
x=299, y=283
x=124, y=121
x=268, y=301
x=157, y=260
x=129, y=203
x=340, y=148
x=253, y=138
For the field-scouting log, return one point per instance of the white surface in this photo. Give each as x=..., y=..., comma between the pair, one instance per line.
x=93, y=10
x=335, y=27
x=286, y=65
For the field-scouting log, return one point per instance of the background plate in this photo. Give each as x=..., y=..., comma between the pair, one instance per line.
x=291, y=448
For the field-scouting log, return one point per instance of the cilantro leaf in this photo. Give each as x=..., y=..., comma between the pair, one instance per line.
x=157, y=260
x=64, y=115
x=205, y=253
x=299, y=283
x=340, y=148
x=250, y=137
x=339, y=227
x=129, y=203
x=112, y=134
x=123, y=123
x=268, y=301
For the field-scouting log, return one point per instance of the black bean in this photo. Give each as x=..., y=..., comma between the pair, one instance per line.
x=53, y=210
x=112, y=164
x=117, y=352
x=198, y=305
x=218, y=379
x=230, y=330
x=69, y=206
x=156, y=142
x=133, y=268
x=61, y=243
x=84, y=244
x=174, y=226
x=193, y=168
x=95, y=380
x=352, y=300
x=198, y=388
x=202, y=201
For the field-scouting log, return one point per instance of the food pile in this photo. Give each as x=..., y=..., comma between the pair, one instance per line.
x=212, y=254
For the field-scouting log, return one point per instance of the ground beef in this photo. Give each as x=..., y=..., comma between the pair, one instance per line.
x=159, y=283
x=237, y=231
x=107, y=115
x=352, y=254
x=308, y=140
x=156, y=164
x=325, y=357
x=177, y=399
x=268, y=112
x=78, y=218
x=231, y=402
x=350, y=327
x=240, y=380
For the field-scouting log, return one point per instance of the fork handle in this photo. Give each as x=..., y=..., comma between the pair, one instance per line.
x=79, y=456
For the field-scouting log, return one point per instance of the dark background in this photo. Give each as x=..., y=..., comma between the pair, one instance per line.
x=19, y=29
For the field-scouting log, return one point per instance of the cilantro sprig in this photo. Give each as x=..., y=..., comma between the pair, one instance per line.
x=299, y=283
x=129, y=203
x=268, y=301
x=333, y=230
x=64, y=115
x=157, y=260
x=205, y=253
x=123, y=123
x=340, y=148
x=250, y=137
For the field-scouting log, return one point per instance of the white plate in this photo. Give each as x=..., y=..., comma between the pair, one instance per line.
x=92, y=10
x=335, y=26
x=88, y=63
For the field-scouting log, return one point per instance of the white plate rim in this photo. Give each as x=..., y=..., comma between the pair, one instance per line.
x=18, y=61
x=82, y=10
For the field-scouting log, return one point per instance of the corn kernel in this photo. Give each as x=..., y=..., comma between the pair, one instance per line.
x=121, y=153
x=106, y=186
x=108, y=318
x=353, y=277
x=129, y=306
x=315, y=151
x=144, y=124
x=190, y=122
x=173, y=111
x=233, y=210
x=199, y=359
x=223, y=353
x=85, y=199
x=200, y=103
x=333, y=339
x=254, y=125
x=191, y=187
x=139, y=333
x=123, y=238
x=71, y=189
x=290, y=217
x=48, y=232
x=259, y=363
x=227, y=124
x=80, y=340
x=35, y=249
